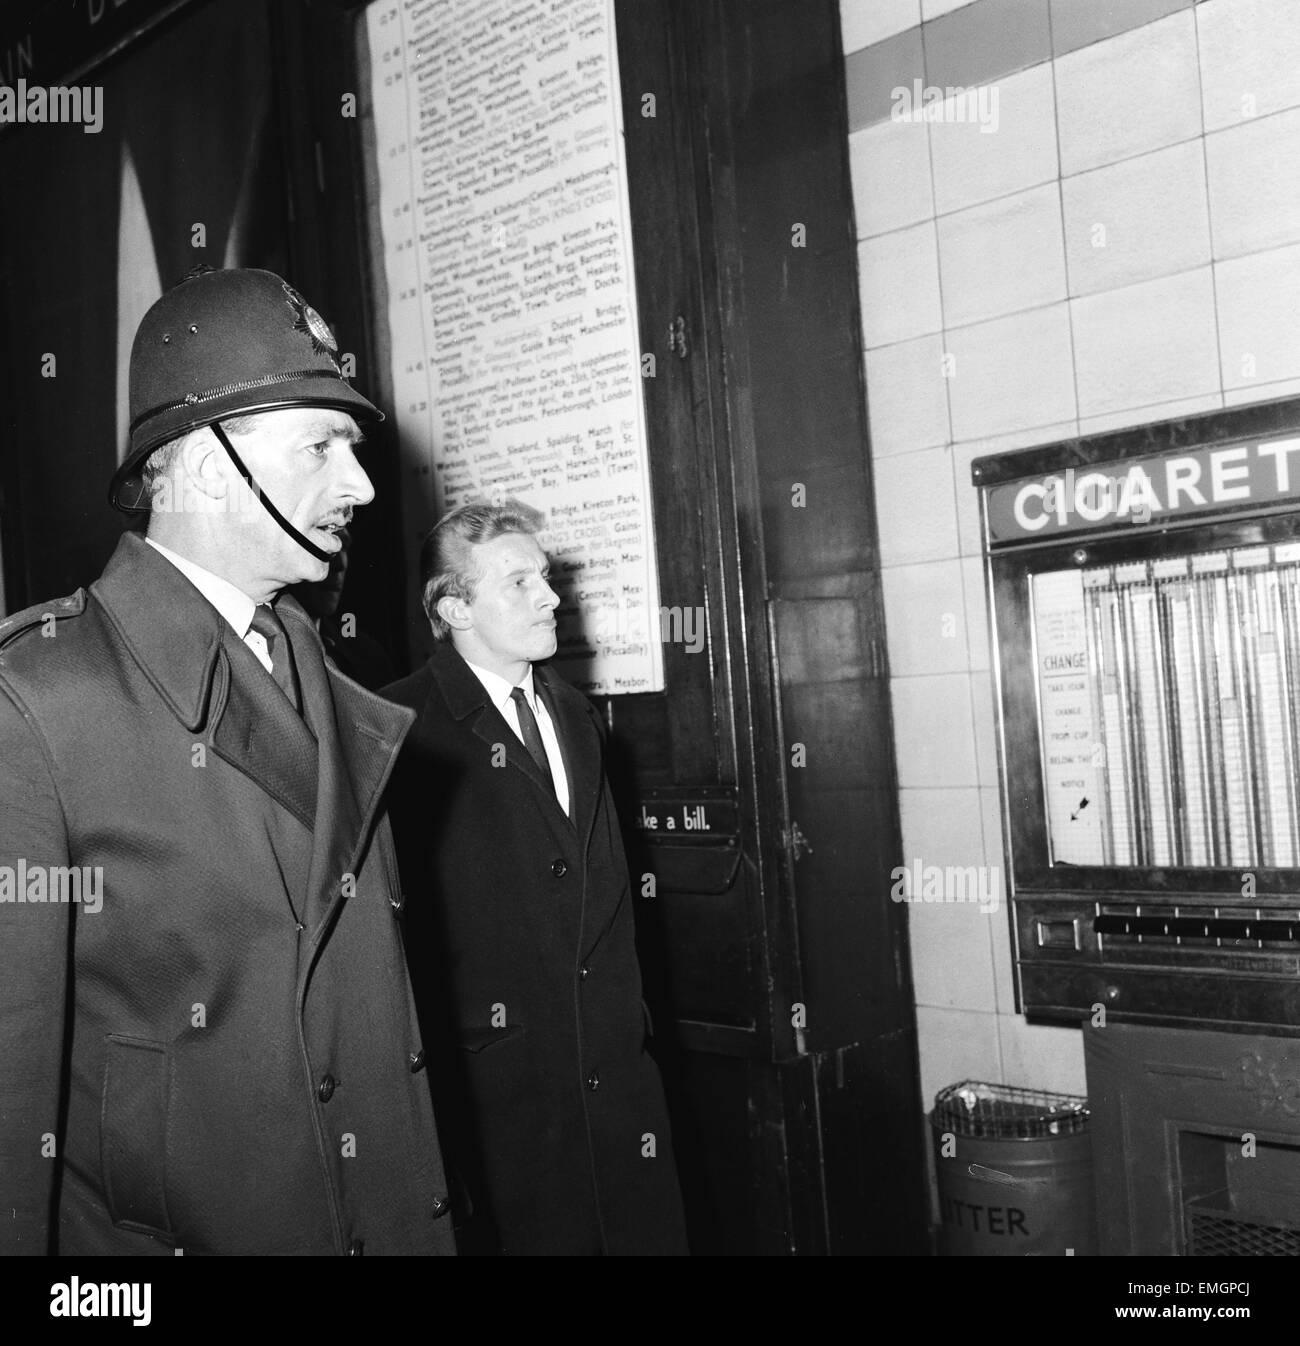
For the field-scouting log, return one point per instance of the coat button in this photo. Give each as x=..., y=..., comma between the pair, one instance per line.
x=440, y=1207
x=356, y=1247
x=416, y=1061
x=559, y=869
x=584, y=972
x=593, y=1080
x=326, y=1090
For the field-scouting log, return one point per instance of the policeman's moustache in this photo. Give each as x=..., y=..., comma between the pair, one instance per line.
x=318, y=552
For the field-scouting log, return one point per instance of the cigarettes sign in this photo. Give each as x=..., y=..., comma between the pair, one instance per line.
x=1140, y=491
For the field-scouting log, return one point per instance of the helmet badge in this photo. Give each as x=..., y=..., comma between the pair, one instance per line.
x=312, y=325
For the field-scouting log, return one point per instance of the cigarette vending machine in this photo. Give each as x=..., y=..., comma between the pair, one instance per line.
x=1145, y=606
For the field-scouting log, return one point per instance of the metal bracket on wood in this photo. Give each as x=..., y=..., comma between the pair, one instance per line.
x=795, y=842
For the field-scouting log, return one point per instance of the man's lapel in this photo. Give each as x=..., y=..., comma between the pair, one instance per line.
x=359, y=736
x=210, y=679
x=579, y=745
x=467, y=699
x=328, y=769
x=259, y=733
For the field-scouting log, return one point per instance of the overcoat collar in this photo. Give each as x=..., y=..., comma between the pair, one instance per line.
x=467, y=700
x=171, y=630
x=327, y=770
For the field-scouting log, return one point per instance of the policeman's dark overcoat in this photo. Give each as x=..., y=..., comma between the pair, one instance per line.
x=521, y=939
x=225, y=1057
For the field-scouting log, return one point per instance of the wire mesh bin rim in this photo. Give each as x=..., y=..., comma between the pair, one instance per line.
x=1002, y=1112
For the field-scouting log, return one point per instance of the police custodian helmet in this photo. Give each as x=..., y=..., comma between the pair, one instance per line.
x=223, y=344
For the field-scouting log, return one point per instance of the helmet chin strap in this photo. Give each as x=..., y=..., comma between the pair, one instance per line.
x=318, y=552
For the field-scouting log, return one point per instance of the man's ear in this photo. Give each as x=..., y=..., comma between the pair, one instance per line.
x=204, y=464
x=455, y=612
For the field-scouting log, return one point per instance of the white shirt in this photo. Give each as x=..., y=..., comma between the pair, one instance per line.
x=233, y=604
x=498, y=690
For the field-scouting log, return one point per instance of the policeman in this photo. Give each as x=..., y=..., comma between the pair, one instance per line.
x=207, y=1039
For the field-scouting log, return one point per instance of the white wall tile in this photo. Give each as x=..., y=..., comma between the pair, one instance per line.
x=1136, y=220
x=1129, y=94
x=907, y=396
x=1250, y=58
x=933, y=735
x=966, y=494
x=1042, y=1056
x=984, y=718
x=973, y=165
x=952, y=960
x=1254, y=182
x=1004, y=976
x=994, y=840
x=1264, y=392
x=915, y=508
x=977, y=627
x=925, y=618
x=890, y=167
x=1011, y=373
x=863, y=22
x=941, y=827
x=1146, y=344
x=955, y=1045
x=1000, y=935
x=1002, y=257
x=899, y=278
x=1259, y=317
x=933, y=9
x=1001, y=939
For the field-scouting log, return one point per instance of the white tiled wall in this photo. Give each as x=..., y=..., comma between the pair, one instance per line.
x=1254, y=178
x=1010, y=374
x=1153, y=341
x=900, y=272
x=1143, y=217
x=1125, y=247
x=971, y=164
x=1002, y=257
x=1259, y=317
x=1249, y=58
x=863, y=22
x=1129, y=95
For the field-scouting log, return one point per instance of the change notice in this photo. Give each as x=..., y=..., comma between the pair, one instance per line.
x=516, y=368
x=1066, y=705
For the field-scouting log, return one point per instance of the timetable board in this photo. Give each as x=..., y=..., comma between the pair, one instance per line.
x=511, y=309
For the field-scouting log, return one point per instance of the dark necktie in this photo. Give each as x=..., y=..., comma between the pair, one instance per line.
x=271, y=629
x=532, y=736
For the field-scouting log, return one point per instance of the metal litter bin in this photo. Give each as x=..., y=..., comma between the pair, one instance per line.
x=1015, y=1172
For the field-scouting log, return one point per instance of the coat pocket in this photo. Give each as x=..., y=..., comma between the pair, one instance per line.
x=133, y=1134
x=480, y=1039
